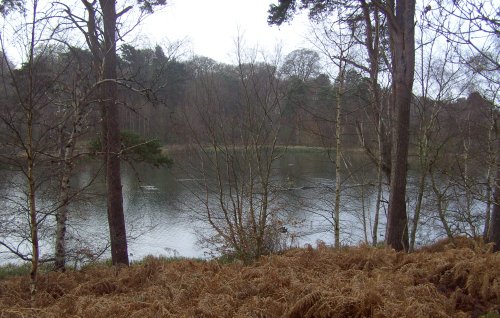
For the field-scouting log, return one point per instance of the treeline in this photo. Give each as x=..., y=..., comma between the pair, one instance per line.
x=158, y=92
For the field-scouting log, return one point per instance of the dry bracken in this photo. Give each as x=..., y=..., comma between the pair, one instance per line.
x=449, y=279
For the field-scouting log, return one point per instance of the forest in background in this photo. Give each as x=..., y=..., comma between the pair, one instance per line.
x=159, y=96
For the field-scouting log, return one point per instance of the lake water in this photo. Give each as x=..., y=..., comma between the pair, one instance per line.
x=163, y=207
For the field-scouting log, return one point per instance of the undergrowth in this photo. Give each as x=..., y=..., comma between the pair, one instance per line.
x=20, y=269
x=440, y=281
x=12, y=270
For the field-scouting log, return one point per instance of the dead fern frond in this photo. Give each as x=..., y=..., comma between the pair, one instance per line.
x=302, y=306
x=352, y=282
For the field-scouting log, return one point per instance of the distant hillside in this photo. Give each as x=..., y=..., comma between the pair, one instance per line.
x=439, y=281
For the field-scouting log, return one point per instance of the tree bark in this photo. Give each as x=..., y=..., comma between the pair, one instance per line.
x=380, y=185
x=62, y=212
x=372, y=45
x=490, y=185
x=383, y=159
x=402, y=36
x=30, y=153
x=418, y=207
x=111, y=137
x=338, y=153
x=32, y=201
x=494, y=233
x=64, y=194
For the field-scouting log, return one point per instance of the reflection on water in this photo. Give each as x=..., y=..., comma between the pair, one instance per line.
x=162, y=206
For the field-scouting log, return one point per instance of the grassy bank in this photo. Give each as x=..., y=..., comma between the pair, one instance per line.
x=290, y=149
x=13, y=270
x=21, y=269
x=356, y=282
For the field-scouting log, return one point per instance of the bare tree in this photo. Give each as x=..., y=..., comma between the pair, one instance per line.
x=302, y=64
x=335, y=39
x=236, y=134
x=74, y=103
x=472, y=26
x=301, y=70
x=27, y=131
x=436, y=80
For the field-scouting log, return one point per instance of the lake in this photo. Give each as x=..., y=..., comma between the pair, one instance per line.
x=164, y=212
x=162, y=206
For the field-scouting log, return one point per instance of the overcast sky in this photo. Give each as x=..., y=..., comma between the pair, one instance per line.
x=212, y=26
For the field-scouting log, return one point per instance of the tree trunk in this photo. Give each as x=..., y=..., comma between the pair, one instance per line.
x=64, y=195
x=418, y=207
x=379, y=192
x=32, y=206
x=490, y=182
x=423, y=155
x=383, y=159
x=30, y=152
x=363, y=210
x=62, y=216
x=109, y=95
x=402, y=35
x=468, y=184
x=494, y=233
x=338, y=152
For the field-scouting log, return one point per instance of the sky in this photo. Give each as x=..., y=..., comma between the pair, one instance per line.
x=207, y=27
x=211, y=27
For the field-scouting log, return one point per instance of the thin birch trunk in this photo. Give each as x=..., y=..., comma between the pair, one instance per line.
x=338, y=154
x=379, y=188
x=64, y=195
x=30, y=151
x=421, y=189
x=490, y=181
x=418, y=209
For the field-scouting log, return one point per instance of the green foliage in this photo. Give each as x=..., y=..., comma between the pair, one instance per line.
x=94, y=146
x=163, y=76
x=286, y=9
x=97, y=264
x=12, y=270
x=148, y=6
x=491, y=314
x=227, y=259
x=304, y=149
x=136, y=149
x=281, y=12
x=167, y=259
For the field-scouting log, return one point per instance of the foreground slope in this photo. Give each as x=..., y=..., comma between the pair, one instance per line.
x=354, y=282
